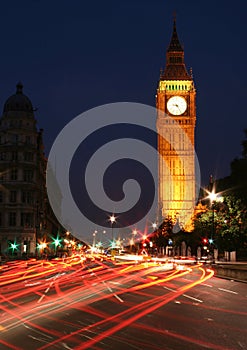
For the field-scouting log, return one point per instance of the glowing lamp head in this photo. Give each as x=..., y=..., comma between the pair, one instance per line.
x=212, y=196
x=13, y=246
x=57, y=241
x=113, y=244
x=112, y=219
x=154, y=225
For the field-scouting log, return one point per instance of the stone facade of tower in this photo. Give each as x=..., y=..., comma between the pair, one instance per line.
x=176, y=120
x=25, y=214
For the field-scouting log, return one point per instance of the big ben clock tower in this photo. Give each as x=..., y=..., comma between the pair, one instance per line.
x=176, y=120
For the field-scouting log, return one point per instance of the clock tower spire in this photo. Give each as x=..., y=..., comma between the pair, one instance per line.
x=176, y=119
x=175, y=66
x=175, y=43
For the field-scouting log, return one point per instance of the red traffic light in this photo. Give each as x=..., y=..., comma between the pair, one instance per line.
x=205, y=240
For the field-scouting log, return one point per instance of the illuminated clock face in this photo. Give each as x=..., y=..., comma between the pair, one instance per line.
x=176, y=105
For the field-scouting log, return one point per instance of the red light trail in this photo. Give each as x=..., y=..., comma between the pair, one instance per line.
x=33, y=293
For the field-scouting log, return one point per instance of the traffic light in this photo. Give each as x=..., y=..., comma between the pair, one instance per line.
x=205, y=240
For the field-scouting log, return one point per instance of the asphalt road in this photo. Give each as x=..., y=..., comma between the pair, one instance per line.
x=104, y=305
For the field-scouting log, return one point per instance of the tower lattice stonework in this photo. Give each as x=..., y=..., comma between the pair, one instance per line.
x=176, y=120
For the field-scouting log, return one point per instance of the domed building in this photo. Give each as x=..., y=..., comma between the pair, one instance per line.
x=18, y=103
x=25, y=214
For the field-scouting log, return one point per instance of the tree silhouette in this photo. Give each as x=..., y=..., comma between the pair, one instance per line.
x=163, y=233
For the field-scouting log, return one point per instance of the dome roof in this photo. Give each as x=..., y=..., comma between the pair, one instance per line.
x=18, y=102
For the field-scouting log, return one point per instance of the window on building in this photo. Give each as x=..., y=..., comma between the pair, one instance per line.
x=175, y=59
x=28, y=140
x=2, y=177
x=28, y=175
x=12, y=219
x=14, y=174
x=28, y=156
x=1, y=196
x=12, y=196
x=27, y=197
x=27, y=219
x=1, y=219
x=15, y=138
x=14, y=155
x=3, y=156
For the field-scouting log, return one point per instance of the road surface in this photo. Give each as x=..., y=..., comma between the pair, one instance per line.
x=74, y=304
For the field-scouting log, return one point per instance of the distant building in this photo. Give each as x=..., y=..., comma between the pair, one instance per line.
x=25, y=215
x=176, y=97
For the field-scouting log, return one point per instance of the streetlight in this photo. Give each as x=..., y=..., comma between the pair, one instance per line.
x=133, y=239
x=56, y=242
x=134, y=232
x=154, y=225
x=13, y=247
x=214, y=197
x=112, y=220
x=102, y=237
x=94, y=235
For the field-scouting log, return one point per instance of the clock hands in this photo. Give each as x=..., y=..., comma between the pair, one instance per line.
x=176, y=105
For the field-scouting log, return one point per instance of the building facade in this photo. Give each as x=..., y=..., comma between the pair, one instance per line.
x=176, y=121
x=25, y=214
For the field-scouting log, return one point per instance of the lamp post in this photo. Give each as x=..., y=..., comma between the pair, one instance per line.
x=94, y=235
x=56, y=242
x=112, y=220
x=154, y=225
x=101, y=239
x=214, y=197
x=133, y=239
x=66, y=240
x=37, y=228
x=134, y=232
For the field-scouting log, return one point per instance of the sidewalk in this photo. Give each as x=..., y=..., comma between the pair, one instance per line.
x=234, y=270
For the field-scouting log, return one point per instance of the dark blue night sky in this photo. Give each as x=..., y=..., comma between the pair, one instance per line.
x=75, y=55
